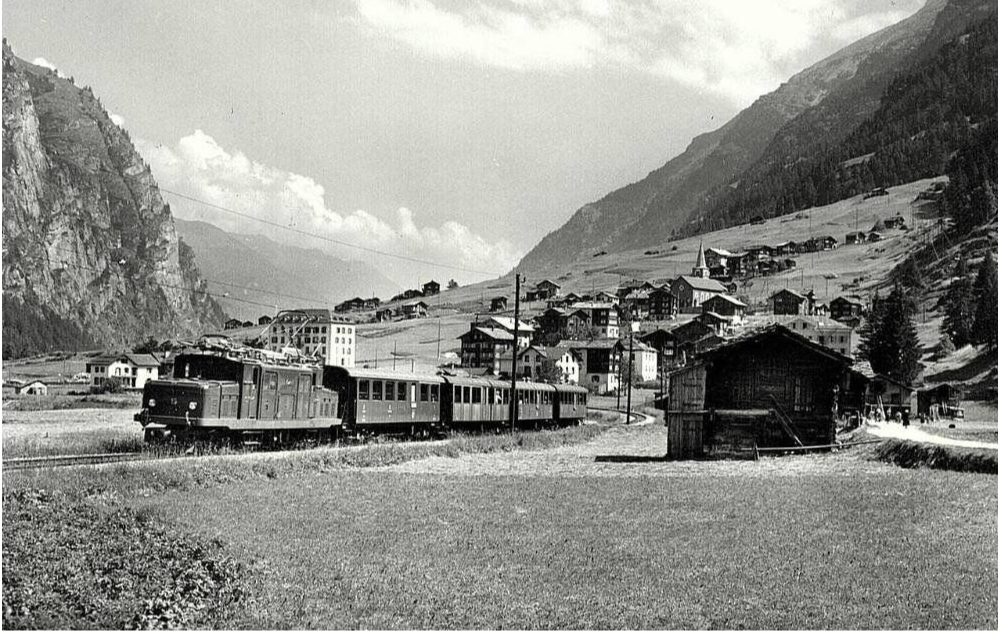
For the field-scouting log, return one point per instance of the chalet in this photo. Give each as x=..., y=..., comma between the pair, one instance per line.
x=482, y=347
x=248, y=323
x=717, y=257
x=787, y=248
x=372, y=303
x=846, y=309
x=721, y=325
x=606, y=297
x=761, y=252
x=415, y=309
x=878, y=191
x=34, y=387
x=387, y=313
x=692, y=291
x=531, y=296
x=736, y=264
x=407, y=296
x=757, y=220
x=233, y=323
x=132, y=370
x=602, y=318
x=889, y=395
x=661, y=304
x=535, y=359
x=693, y=338
x=895, y=222
x=941, y=400
x=855, y=237
x=664, y=342
x=636, y=304
x=571, y=299
x=350, y=305
x=551, y=324
x=824, y=331
x=789, y=302
x=875, y=236
x=264, y=320
x=524, y=331
x=770, y=389
x=599, y=363
x=547, y=289
x=726, y=306
x=498, y=304
x=431, y=288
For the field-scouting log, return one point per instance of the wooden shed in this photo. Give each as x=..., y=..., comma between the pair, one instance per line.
x=773, y=388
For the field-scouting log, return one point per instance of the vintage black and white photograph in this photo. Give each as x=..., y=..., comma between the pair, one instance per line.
x=500, y=314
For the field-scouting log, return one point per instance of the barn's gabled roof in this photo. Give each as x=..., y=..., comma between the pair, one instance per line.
x=778, y=331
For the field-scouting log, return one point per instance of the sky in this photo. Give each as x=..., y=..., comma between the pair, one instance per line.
x=457, y=132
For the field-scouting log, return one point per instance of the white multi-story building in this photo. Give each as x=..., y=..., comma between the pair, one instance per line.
x=315, y=332
x=825, y=331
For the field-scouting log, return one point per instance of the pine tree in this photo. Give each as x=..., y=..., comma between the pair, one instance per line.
x=985, y=329
x=889, y=340
x=958, y=306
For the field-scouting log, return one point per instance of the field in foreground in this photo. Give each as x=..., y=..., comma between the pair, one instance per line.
x=600, y=534
x=813, y=542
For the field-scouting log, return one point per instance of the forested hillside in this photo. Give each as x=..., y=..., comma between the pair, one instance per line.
x=925, y=115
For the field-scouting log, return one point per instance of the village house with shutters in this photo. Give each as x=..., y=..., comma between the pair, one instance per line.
x=535, y=358
x=599, y=363
x=314, y=332
x=131, y=370
x=824, y=331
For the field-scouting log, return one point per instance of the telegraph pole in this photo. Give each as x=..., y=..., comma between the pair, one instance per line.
x=630, y=375
x=514, y=406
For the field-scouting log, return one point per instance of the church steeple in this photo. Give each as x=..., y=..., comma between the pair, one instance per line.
x=700, y=269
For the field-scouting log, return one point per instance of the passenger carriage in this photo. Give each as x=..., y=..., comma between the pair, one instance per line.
x=476, y=402
x=378, y=400
x=570, y=403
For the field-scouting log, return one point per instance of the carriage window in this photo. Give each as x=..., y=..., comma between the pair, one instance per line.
x=389, y=391
x=364, y=389
x=376, y=389
x=424, y=392
x=434, y=392
x=400, y=393
x=458, y=395
x=476, y=396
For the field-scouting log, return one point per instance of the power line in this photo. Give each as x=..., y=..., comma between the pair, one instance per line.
x=330, y=239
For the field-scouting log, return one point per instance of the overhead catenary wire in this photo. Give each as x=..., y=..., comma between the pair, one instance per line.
x=339, y=242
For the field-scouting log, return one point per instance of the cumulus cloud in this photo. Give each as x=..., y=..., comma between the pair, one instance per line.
x=117, y=119
x=201, y=168
x=738, y=50
x=44, y=63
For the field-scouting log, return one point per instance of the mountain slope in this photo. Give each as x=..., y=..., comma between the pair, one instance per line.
x=253, y=261
x=668, y=199
x=89, y=246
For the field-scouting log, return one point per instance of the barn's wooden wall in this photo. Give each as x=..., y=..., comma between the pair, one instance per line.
x=686, y=412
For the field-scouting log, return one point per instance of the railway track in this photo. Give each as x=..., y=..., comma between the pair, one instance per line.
x=72, y=459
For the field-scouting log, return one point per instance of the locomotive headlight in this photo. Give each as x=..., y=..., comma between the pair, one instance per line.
x=192, y=405
x=152, y=402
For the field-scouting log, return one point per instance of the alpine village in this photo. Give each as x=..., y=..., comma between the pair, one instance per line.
x=757, y=388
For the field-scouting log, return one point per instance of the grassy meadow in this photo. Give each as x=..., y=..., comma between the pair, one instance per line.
x=524, y=531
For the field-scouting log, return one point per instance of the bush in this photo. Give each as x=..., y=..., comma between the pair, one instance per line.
x=110, y=385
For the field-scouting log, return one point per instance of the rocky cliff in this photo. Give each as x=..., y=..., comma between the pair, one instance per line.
x=87, y=237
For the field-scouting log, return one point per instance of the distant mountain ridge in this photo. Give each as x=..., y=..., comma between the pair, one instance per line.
x=90, y=255
x=253, y=261
x=817, y=107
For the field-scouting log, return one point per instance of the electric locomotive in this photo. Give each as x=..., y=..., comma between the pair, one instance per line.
x=220, y=390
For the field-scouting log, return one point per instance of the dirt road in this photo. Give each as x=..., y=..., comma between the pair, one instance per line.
x=911, y=433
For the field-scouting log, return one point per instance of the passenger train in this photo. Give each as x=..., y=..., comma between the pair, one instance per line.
x=220, y=390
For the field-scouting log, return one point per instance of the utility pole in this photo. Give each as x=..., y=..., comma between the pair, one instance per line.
x=514, y=406
x=630, y=374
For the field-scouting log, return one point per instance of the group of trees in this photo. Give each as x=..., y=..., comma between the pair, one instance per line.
x=970, y=305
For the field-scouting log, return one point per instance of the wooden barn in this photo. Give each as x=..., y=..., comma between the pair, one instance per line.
x=770, y=389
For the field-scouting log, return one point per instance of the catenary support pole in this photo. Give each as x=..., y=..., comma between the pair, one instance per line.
x=514, y=407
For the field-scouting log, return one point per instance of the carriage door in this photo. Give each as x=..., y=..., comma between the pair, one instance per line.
x=268, y=396
x=251, y=385
x=412, y=400
x=304, y=396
